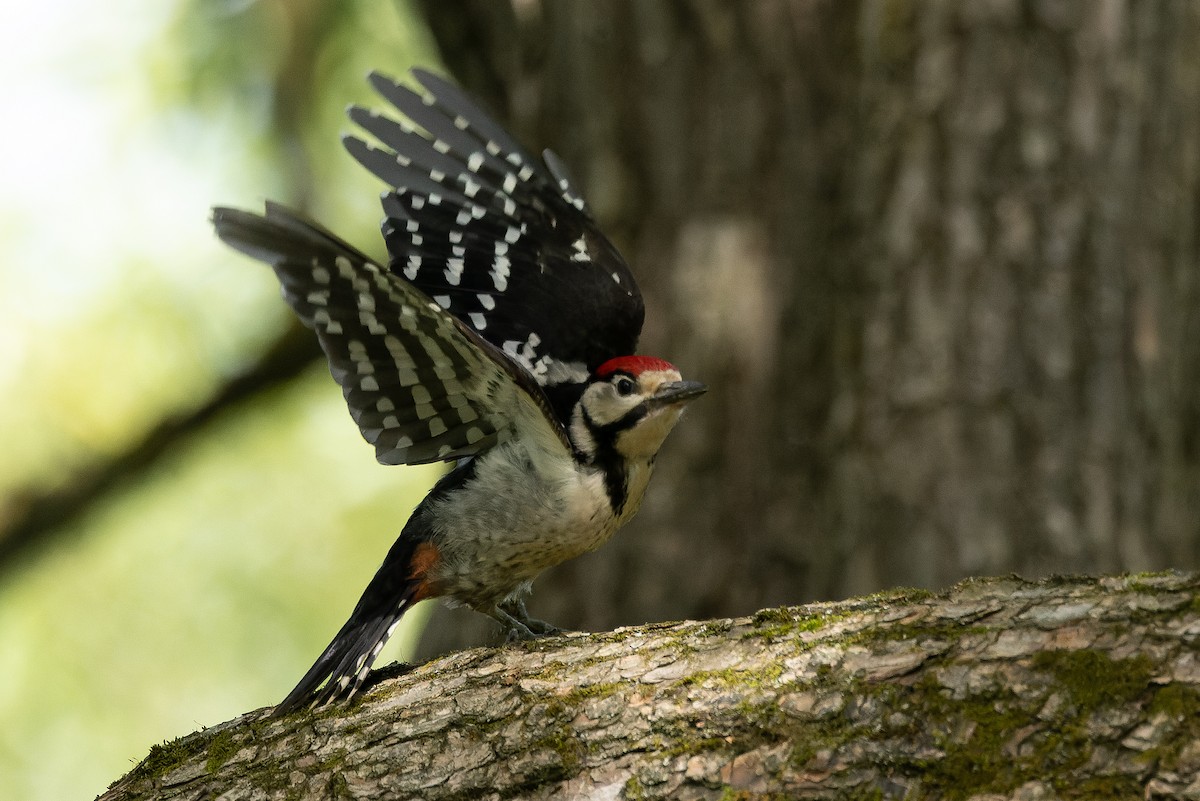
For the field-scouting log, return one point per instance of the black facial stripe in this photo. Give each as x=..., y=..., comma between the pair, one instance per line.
x=606, y=456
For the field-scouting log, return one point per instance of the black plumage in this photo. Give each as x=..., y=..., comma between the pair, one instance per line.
x=499, y=239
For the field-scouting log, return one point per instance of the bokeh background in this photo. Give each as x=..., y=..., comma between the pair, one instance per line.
x=938, y=262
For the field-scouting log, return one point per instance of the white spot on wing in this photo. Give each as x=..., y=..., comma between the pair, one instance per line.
x=399, y=353
x=499, y=273
x=410, y=269
x=581, y=251
x=327, y=323
x=478, y=321
x=453, y=272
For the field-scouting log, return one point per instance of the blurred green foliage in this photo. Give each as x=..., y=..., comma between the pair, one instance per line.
x=197, y=594
x=205, y=587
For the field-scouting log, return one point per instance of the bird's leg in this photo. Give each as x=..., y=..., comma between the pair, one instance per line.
x=517, y=630
x=540, y=628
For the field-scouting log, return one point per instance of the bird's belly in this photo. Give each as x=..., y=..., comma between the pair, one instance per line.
x=500, y=533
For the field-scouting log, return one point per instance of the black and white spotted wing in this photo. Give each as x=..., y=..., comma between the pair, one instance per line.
x=422, y=386
x=503, y=242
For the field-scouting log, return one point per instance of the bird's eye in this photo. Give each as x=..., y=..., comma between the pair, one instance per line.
x=625, y=386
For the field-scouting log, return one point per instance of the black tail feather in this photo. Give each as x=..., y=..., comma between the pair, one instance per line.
x=344, y=664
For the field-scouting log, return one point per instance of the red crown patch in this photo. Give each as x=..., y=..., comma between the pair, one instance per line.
x=634, y=365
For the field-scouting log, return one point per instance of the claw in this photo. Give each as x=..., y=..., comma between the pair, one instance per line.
x=515, y=617
x=519, y=633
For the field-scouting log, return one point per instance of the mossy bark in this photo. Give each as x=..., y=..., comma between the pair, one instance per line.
x=999, y=688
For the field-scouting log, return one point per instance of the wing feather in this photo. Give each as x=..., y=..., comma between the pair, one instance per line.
x=421, y=385
x=502, y=241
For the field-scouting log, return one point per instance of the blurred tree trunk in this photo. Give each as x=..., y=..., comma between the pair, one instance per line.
x=938, y=262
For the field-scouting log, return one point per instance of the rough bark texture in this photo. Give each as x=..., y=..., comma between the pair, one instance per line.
x=937, y=261
x=1066, y=688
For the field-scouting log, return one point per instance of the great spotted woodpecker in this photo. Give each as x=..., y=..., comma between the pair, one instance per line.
x=499, y=337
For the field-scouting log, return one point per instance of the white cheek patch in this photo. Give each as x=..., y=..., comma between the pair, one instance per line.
x=605, y=407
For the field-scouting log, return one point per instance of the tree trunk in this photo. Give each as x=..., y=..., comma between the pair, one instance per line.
x=936, y=260
x=1068, y=688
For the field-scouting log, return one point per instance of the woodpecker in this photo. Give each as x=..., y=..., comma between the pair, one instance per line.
x=500, y=336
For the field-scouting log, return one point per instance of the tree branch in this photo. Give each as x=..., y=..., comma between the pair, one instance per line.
x=999, y=688
x=31, y=514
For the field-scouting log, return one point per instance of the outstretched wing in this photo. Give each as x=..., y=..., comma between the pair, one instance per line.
x=501, y=241
x=422, y=386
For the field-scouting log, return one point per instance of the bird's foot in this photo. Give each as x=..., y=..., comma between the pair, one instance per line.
x=519, y=632
x=541, y=628
x=515, y=617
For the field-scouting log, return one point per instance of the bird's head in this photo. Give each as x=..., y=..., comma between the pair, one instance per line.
x=629, y=406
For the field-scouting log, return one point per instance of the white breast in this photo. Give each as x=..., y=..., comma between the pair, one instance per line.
x=519, y=515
